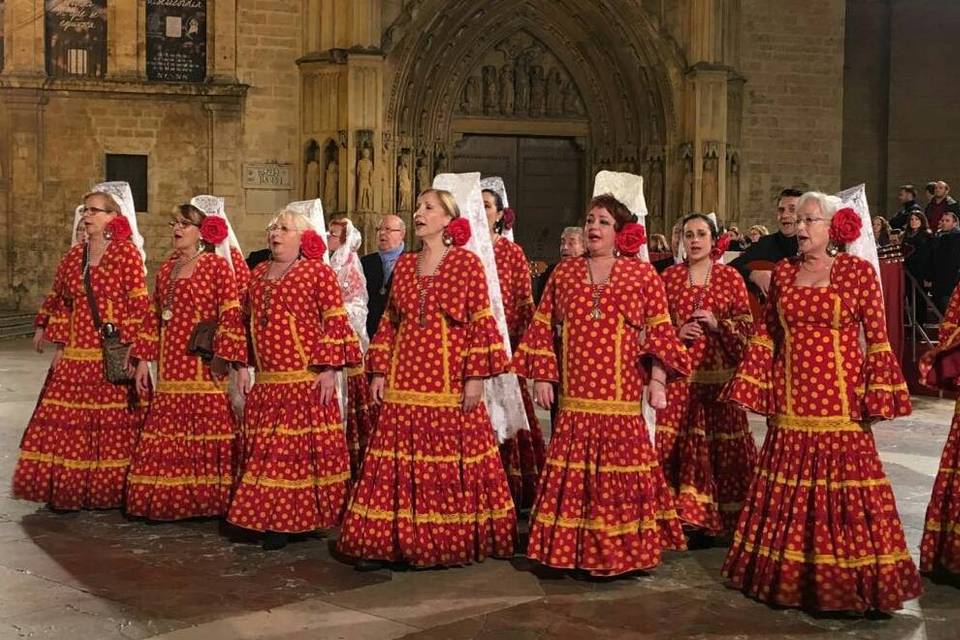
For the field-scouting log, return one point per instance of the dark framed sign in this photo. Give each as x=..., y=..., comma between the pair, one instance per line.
x=177, y=40
x=76, y=37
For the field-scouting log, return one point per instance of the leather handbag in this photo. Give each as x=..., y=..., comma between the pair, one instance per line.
x=201, y=344
x=115, y=352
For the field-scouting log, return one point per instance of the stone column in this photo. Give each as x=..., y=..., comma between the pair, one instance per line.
x=222, y=38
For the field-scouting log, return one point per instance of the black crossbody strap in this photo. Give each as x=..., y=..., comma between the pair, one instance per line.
x=88, y=288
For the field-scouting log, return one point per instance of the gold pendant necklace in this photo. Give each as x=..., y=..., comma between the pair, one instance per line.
x=167, y=313
x=597, y=290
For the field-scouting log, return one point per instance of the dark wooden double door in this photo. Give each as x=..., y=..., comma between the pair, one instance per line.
x=544, y=181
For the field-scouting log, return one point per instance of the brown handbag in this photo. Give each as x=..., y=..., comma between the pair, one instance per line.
x=115, y=352
x=201, y=344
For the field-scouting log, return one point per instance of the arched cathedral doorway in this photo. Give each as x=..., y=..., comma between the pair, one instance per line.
x=544, y=93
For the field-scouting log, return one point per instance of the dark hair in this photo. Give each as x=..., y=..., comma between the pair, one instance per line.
x=701, y=216
x=790, y=193
x=195, y=216
x=498, y=203
x=932, y=187
x=909, y=188
x=614, y=207
x=922, y=217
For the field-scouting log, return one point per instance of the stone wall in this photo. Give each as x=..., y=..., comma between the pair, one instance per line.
x=792, y=58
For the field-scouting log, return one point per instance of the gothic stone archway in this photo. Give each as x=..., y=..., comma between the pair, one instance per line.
x=595, y=72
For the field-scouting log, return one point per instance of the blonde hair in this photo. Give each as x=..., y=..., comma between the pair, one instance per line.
x=447, y=201
x=294, y=218
x=759, y=228
x=112, y=205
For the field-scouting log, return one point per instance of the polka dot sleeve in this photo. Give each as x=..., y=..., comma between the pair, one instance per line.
x=381, y=345
x=134, y=297
x=230, y=340
x=337, y=345
x=752, y=386
x=241, y=272
x=54, y=313
x=485, y=355
x=937, y=365
x=736, y=325
x=147, y=345
x=885, y=393
x=659, y=342
x=535, y=358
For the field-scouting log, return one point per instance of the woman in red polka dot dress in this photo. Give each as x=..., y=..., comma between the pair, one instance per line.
x=820, y=528
x=77, y=446
x=704, y=445
x=523, y=455
x=432, y=491
x=603, y=505
x=184, y=461
x=295, y=468
x=940, y=547
x=360, y=413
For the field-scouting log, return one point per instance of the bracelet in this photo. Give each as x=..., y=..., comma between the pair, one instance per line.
x=660, y=382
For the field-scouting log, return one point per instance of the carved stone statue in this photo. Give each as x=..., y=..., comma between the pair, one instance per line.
x=572, y=105
x=490, y=90
x=506, y=90
x=538, y=92
x=555, y=94
x=365, y=181
x=687, y=198
x=331, y=182
x=423, y=175
x=404, y=185
x=440, y=163
x=521, y=83
x=733, y=190
x=311, y=180
x=471, y=96
x=711, y=192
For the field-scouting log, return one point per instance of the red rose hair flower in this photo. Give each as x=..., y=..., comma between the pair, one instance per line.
x=312, y=246
x=631, y=238
x=845, y=226
x=509, y=217
x=119, y=229
x=213, y=229
x=458, y=232
x=720, y=247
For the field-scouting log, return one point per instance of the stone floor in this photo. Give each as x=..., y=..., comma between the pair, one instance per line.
x=97, y=576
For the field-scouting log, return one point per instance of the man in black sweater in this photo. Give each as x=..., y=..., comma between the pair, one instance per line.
x=378, y=267
x=774, y=247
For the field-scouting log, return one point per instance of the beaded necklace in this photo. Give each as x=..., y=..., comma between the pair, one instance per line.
x=699, y=292
x=268, y=286
x=167, y=313
x=424, y=285
x=597, y=290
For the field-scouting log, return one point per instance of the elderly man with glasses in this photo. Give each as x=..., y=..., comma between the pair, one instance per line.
x=378, y=267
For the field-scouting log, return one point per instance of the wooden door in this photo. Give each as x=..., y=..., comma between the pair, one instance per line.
x=544, y=181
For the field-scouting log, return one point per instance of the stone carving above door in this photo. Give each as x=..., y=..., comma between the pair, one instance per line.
x=520, y=77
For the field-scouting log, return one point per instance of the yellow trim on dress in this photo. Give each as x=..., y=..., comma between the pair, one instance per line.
x=89, y=405
x=191, y=386
x=653, y=321
x=137, y=293
x=601, y=407
x=179, y=481
x=592, y=467
x=948, y=527
x=757, y=382
x=762, y=341
x=284, y=377
x=190, y=437
x=313, y=481
x=815, y=424
x=541, y=317
x=431, y=518
x=419, y=457
x=283, y=430
x=83, y=355
x=49, y=458
x=882, y=347
x=486, y=312
x=617, y=529
x=228, y=305
x=423, y=398
x=536, y=352
x=812, y=558
x=779, y=478
x=332, y=313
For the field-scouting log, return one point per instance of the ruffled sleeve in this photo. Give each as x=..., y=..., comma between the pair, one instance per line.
x=241, y=272
x=522, y=285
x=230, y=340
x=885, y=391
x=135, y=297
x=337, y=345
x=752, y=386
x=147, y=344
x=736, y=327
x=940, y=367
x=54, y=313
x=659, y=342
x=535, y=358
x=485, y=356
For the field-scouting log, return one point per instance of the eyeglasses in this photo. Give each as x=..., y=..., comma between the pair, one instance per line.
x=809, y=221
x=388, y=229
x=279, y=227
x=183, y=224
x=89, y=211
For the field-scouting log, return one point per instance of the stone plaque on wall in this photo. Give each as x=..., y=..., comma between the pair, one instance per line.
x=76, y=34
x=267, y=175
x=177, y=40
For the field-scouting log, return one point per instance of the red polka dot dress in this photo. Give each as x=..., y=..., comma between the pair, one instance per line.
x=77, y=446
x=940, y=547
x=523, y=455
x=820, y=528
x=183, y=466
x=295, y=468
x=704, y=445
x=432, y=491
x=603, y=504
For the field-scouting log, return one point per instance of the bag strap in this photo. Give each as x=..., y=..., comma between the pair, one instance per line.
x=88, y=289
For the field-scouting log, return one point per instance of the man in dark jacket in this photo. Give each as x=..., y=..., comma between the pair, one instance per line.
x=944, y=266
x=907, y=196
x=940, y=204
x=773, y=247
x=378, y=267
